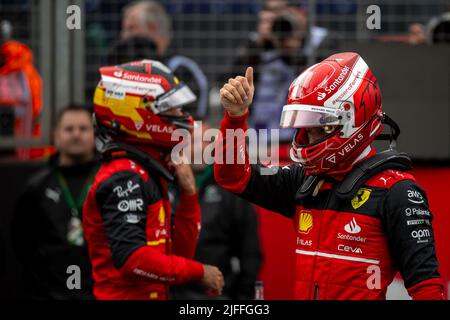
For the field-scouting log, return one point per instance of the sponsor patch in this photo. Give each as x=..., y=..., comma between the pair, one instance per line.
x=305, y=222
x=351, y=238
x=121, y=192
x=352, y=227
x=415, y=196
x=130, y=205
x=303, y=242
x=416, y=222
x=417, y=212
x=360, y=198
x=344, y=248
x=421, y=235
x=132, y=218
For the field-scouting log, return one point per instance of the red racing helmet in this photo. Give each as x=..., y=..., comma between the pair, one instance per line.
x=341, y=95
x=134, y=100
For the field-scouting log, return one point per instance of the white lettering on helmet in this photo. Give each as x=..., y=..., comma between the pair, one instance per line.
x=137, y=77
x=351, y=145
x=338, y=80
x=159, y=129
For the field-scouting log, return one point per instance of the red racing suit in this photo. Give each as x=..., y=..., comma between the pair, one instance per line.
x=345, y=249
x=135, y=253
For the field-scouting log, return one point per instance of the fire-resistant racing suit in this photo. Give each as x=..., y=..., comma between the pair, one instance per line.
x=135, y=252
x=345, y=248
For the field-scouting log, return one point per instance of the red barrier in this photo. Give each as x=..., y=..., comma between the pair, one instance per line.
x=278, y=236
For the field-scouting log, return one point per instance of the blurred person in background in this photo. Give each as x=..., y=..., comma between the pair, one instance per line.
x=229, y=237
x=417, y=34
x=278, y=51
x=149, y=19
x=438, y=29
x=273, y=53
x=130, y=49
x=286, y=27
x=359, y=216
x=136, y=248
x=47, y=231
x=20, y=93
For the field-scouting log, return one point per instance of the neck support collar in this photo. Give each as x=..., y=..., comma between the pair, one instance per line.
x=347, y=188
x=115, y=150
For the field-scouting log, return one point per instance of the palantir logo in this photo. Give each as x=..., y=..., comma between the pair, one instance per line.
x=352, y=227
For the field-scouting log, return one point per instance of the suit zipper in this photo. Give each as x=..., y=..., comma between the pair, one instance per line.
x=316, y=291
x=316, y=286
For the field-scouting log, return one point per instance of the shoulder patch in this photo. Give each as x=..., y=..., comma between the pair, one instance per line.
x=124, y=164
x=109, y=168
x=387, y=178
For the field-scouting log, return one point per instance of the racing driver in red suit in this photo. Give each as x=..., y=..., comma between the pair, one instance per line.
x=136, y=249
x=359, y=216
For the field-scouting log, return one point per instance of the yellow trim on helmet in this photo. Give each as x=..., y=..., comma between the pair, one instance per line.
x=126, y=107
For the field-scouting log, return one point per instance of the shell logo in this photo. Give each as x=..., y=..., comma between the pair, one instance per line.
x=305, y=222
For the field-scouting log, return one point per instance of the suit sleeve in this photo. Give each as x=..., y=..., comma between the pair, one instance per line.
x=124, y=218
x=272, y=188
x=407, y=220
x=186, y=226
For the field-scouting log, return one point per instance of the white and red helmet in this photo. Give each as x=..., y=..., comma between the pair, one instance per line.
x=340, y=93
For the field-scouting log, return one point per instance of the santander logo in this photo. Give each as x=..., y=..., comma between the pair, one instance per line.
x=321, y=95
x=338, y=80
x=352, y=227
x=139, y=78
x=136, y=77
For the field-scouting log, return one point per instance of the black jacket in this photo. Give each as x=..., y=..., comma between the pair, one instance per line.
x=229, y=239
x=39, y=233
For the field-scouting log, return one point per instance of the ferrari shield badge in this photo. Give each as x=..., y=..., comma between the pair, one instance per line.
x=360, y=198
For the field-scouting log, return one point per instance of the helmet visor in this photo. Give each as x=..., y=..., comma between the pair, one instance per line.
x=304, y=116
x=178, y=96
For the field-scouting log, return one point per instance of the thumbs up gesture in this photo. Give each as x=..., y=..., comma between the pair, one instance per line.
x=237, y=95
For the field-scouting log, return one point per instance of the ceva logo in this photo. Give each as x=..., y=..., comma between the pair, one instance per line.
x=352, y=227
